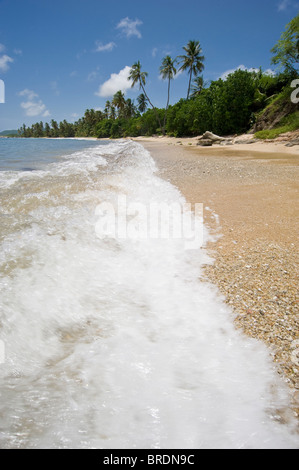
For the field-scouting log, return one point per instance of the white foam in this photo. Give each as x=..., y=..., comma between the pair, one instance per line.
x=117, y=343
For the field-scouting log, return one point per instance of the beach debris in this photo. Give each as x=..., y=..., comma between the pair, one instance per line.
x=292, y=143
x=245, y=140
x=208, y=139
x=205, y=143
x=211, y=137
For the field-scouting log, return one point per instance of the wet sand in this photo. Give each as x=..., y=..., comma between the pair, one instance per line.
x=250, y=197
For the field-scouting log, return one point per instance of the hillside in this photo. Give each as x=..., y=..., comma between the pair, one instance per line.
x=9, y=132
x=278, y=117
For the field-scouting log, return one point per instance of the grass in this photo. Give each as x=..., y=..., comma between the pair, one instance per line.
x=288, y=124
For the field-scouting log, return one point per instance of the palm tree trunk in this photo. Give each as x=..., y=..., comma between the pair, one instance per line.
x=164, y=123
x=189, y=83
x=156, y=114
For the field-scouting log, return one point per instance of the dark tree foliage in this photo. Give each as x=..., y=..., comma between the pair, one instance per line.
x=226, y=107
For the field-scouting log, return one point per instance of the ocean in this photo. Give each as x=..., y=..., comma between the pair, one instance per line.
x=109, y=338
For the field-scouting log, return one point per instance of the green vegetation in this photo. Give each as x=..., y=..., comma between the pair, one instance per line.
x=245, y=100
x=136, y=76
x=167, y=72
x=287, y=124
x=192, y=61
x=286, y=51
x=9, y=133
x=279, y=115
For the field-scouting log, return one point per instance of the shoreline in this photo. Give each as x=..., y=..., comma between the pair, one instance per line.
x=250, y=198
x=243, y=143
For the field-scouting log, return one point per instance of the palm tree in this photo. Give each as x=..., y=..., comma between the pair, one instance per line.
x=197, y=86
x=119, y=102
x=167, y=72
x=136, y=76
x=112, y=114
x=142, y=103
x=130, y=109
x=192, y=61
x=107, y=109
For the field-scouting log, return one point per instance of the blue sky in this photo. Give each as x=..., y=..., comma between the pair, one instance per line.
x=58, y=58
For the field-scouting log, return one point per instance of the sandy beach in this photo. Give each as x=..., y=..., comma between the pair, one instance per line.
x=250, y=197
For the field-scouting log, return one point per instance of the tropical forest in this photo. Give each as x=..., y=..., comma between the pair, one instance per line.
x=252, y=100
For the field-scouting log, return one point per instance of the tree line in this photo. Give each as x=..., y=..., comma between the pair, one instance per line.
x=224, y=106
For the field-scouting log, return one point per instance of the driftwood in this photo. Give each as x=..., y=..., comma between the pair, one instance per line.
x=208, y=139
x=213, y=137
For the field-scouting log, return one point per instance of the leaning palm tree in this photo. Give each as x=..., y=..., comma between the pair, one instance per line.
x=167, y=72
x=142, y=103
x=136, y=76
x=192, y=61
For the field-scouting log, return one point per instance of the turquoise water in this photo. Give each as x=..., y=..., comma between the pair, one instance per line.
x=34, y=154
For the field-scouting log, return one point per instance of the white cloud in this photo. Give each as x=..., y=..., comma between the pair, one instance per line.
x=32, y=106
x=269, y=72
x=179, y=72
x=105, y=47
x=116, y=82
x=241, y=67
x=92, y=76
x=177, y=75
x=74, y=117
x=29, y=93
x=284, y=4
x=4, y=61
x=129, y=27
x=154, y=52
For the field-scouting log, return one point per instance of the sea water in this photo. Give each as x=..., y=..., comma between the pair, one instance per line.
x=117, y=342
